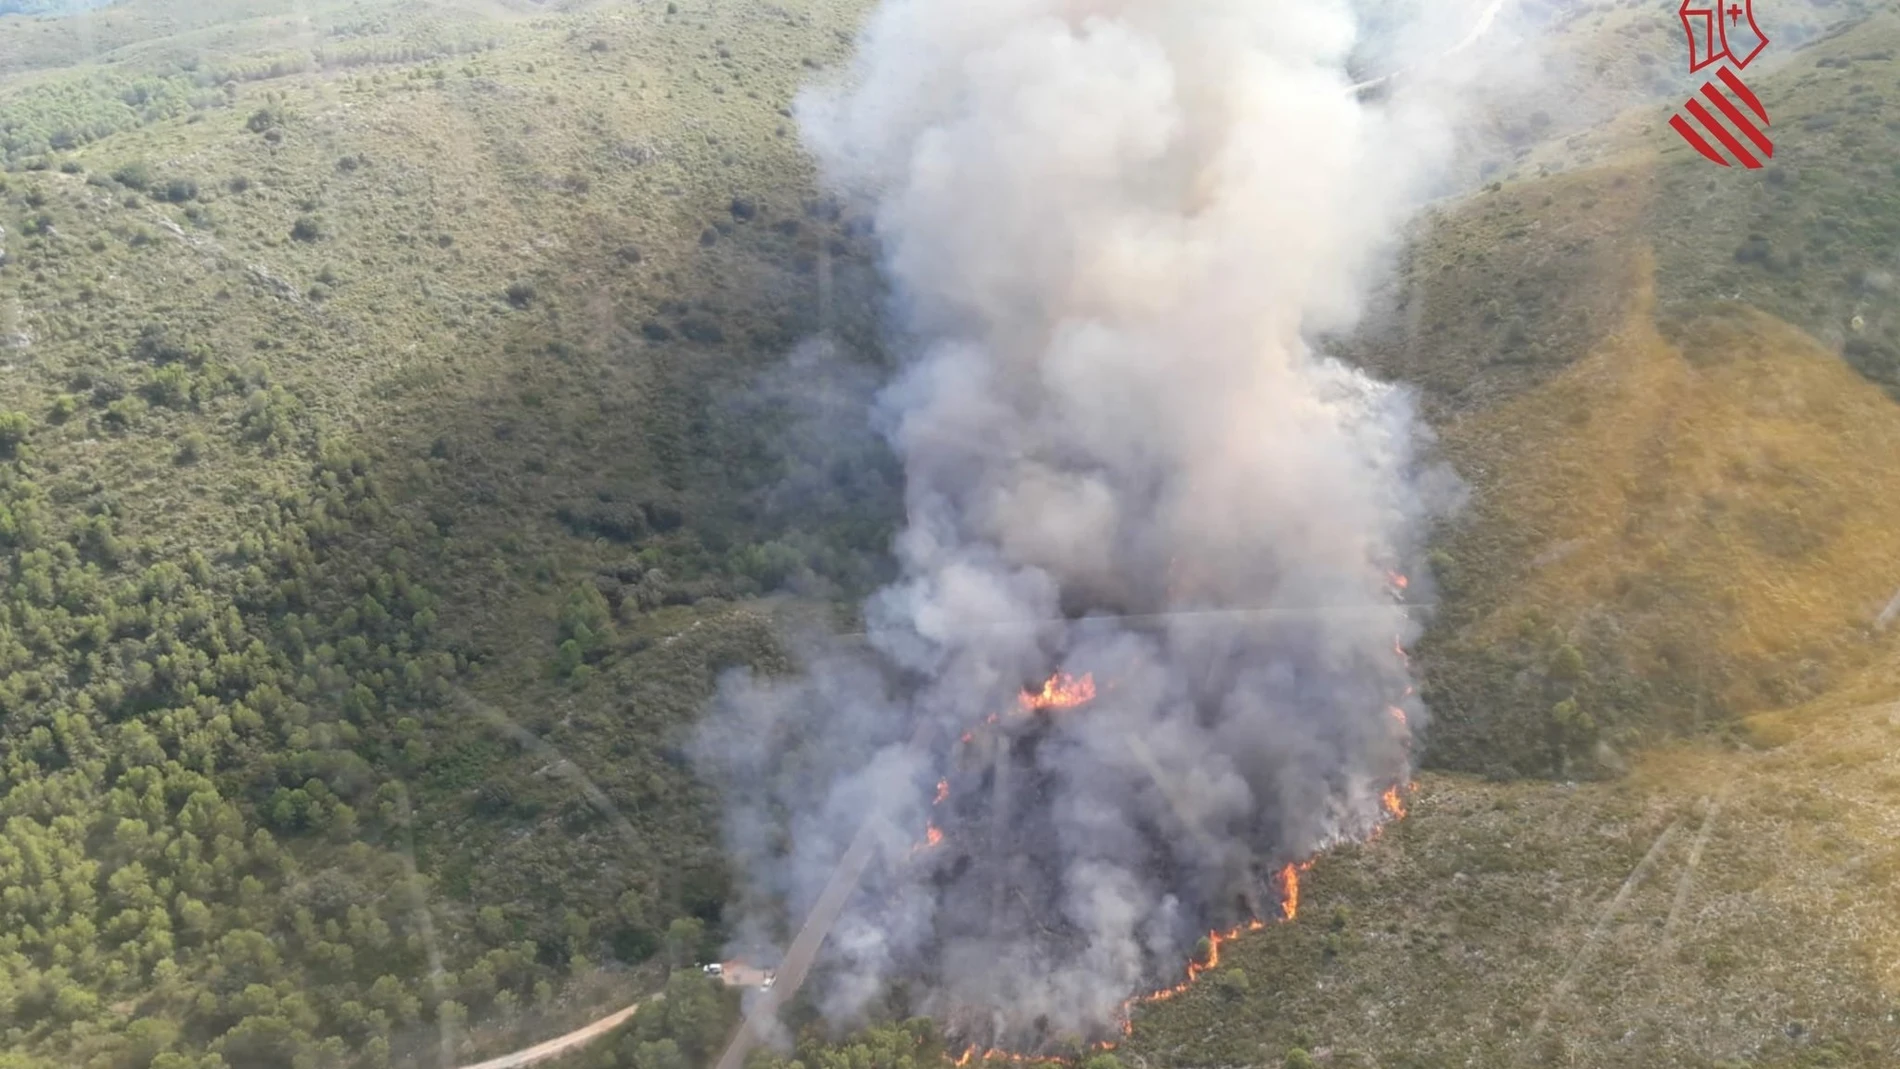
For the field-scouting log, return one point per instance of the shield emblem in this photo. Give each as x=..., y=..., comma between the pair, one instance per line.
x=1719, y=30
x=1753, y=130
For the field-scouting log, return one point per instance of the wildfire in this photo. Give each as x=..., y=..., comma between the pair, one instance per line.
x=1290, y=888
x=1289, y=881
x=943, y=792
x=932, y=836
x=972, y=1054
x=1393, y=802
x=1399, y=581
x=1062, y=691
x=1196, y=968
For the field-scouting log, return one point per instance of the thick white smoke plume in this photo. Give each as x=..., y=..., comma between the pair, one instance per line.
x=1112, y=227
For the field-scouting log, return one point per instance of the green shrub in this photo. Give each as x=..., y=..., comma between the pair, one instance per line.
x=1232, y=983
x=135, y=175
x=13, y=431
x=124, y=413
x=170, y=386
x=586, y=624
x=159, y=344
x=1566, y=665
x=769, y=564
x=270, y=415
x=306, y=228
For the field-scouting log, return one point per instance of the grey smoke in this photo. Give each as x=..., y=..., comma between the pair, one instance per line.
x=1111, y=226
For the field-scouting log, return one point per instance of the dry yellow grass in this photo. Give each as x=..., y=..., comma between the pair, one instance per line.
x=1735, y=505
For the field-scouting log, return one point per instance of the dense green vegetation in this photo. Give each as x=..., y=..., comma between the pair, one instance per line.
x=213, y=771
x=683, y=1027
x=186, y=745
x=363, y=579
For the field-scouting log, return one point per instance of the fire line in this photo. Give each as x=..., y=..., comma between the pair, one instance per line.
x=1061, y=691
x=1058, y=692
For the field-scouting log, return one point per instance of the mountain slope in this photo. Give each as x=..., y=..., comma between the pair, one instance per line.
x=395, y=449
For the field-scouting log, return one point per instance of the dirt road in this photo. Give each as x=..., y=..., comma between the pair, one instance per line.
x=804, y=948
x=559, y=1045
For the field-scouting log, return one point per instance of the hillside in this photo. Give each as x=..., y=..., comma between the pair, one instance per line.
x=1717, y=901
x=1681, y=474
x=1718, y=907
x=1662, y=605
x=410, y=408
x=1708, y=527
x=1698, y=515
x=1678, y=468
x=390, y=455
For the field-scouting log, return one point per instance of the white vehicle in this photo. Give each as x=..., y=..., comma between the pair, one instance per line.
x=715, y=969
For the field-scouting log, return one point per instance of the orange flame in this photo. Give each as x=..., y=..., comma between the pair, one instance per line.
x=1065, y=692
x=932, y=836
x=972, y=1054
x=943, y=792
x=1289, y=880
x=1062, y=691
x=1398, y=580
x=1394, y=804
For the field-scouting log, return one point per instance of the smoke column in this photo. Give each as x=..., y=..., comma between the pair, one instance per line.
x=1111, y=227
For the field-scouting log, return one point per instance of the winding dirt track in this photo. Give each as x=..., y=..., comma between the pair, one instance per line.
x=559, y=1045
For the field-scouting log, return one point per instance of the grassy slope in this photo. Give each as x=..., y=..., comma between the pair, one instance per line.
x=1711, y=528
x=1809, y=238
x=1495, y=923
x=1504, y=925
x=1697, y=495
x=1696, y=507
